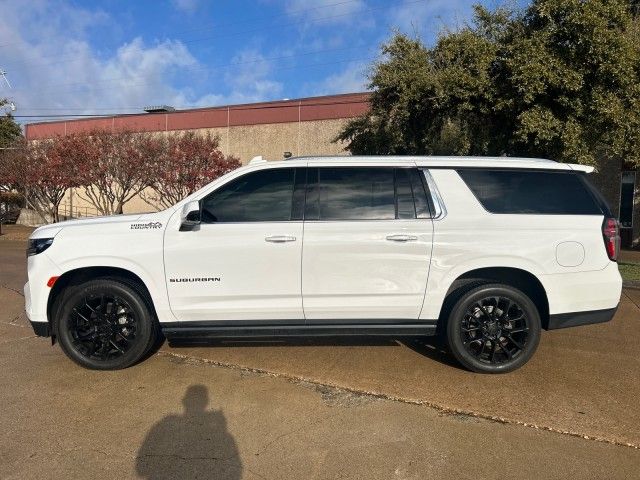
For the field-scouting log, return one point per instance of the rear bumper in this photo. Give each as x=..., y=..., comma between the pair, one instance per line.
x=575, y=319
x=576, y=293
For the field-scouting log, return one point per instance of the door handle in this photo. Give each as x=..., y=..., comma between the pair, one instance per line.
x=280, y=238
x=402, y=238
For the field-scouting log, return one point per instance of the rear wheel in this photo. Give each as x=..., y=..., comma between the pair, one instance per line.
x=105, y=324
x=493, y=329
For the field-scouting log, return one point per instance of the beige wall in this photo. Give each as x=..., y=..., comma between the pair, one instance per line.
x=246, y=142
x=272, y=140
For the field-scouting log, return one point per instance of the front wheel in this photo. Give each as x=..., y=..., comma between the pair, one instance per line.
x=105, y=324
x=493, y=329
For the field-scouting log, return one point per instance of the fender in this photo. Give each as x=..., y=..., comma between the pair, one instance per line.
x=443, y=273
x=158, y=291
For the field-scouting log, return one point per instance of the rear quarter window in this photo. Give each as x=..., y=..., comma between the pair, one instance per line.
x=531, y=192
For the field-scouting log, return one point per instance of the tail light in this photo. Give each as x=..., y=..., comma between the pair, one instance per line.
x=611, y=235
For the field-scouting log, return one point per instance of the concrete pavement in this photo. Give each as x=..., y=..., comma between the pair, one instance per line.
x=13, y=269
x=582, y=381
x=271, y=410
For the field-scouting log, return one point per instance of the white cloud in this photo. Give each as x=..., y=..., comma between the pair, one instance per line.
x=59, y=72
x=38, y=19
x=189, y=6
x=429, y=18
x=324, y=11
x=55, y=70
x=353, y=78
x=248, y=81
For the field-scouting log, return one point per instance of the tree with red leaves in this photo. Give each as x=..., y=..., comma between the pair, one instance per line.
x=43, y=172
x=188, y=162
x=112, y=168
x=117, y=167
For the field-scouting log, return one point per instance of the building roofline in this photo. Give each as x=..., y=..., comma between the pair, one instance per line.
x=341, y=106
x=285, y=103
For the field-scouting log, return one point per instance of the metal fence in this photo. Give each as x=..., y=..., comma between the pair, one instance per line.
x=66, y=210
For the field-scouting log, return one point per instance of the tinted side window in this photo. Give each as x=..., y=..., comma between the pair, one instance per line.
x=419, y=193
x=526, y=191
x=262, y=196
x=356, y=194
x=404, y=196
x=600, y=200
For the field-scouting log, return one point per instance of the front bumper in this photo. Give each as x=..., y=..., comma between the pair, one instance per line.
x=575, y=319
x=39, y=323
x=41, y=329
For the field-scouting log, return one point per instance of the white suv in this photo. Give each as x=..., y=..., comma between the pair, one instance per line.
x=484, y=251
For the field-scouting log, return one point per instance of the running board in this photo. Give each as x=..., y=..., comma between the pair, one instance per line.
x=177, y=330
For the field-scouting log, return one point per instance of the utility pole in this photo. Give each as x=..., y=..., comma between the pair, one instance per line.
x=3, y=74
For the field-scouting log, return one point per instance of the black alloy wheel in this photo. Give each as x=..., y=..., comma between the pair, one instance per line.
x=102, y=326
x=106, y=324
x=493, y=329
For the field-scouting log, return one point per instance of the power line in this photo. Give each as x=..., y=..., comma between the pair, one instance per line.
x=292, y=12
x=242, y=33
x=295, y=67
x=199, y=68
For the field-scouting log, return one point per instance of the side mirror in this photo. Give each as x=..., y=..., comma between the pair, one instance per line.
x=190, y=216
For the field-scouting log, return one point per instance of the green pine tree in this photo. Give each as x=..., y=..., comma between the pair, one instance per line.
x=10, y=131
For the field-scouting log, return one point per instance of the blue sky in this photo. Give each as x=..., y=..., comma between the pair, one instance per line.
x=117, y=56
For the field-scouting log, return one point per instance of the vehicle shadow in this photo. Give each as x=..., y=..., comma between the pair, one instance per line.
x=434, y=349
x=193, y=445
x=429, y=347
x=282, y=341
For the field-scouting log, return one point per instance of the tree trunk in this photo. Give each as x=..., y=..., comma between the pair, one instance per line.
x=55, y=211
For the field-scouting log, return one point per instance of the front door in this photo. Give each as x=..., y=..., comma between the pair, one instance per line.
x=244, y=261
x=367, y=244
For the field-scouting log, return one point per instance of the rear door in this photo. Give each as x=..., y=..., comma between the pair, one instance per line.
x=367, y=244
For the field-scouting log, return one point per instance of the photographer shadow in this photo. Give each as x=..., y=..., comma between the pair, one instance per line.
x=193, y=445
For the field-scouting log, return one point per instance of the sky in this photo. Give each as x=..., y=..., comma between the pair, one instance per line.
x=65, y=57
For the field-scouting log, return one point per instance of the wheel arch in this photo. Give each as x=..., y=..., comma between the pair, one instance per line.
x=518, y=278
x=83, y=274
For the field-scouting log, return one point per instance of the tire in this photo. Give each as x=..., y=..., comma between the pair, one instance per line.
x=105, y=324
x=493, y=328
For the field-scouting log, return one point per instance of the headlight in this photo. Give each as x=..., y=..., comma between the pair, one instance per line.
x=38, y=245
